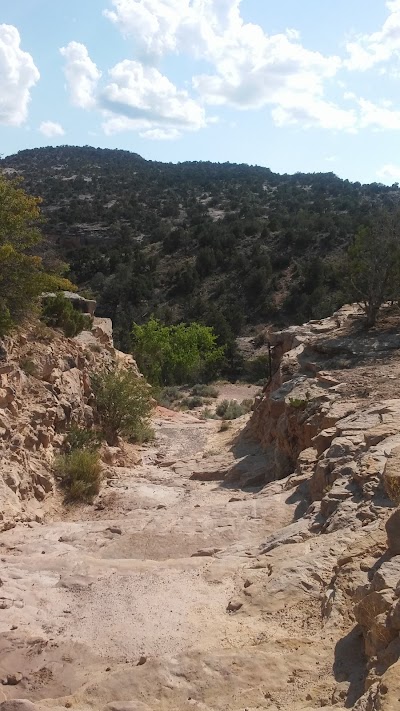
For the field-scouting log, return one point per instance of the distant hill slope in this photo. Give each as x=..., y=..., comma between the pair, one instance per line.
x=231, y=245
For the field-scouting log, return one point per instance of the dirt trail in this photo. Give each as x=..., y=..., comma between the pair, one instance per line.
x=158, y=598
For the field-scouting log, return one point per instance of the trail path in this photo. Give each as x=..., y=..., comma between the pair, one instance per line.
x=158, y=599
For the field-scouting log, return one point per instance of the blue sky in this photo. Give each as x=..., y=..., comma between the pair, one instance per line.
x=295, y=86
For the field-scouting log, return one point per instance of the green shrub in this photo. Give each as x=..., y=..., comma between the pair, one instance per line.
x=231, y=409
x=205, y=391
x=168, y=396
x=123, y=403
x=192, y=402
x=80, y=474
x=82, y=438
x=58, y=312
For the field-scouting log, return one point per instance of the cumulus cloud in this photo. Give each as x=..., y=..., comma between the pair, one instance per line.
x=313, y=112
x=51, y=129
x=133, y=97
x=18, y=75
x=82, y=75
x=152, y=24
x=366, y=51
x=251, y=69
x=146, y=100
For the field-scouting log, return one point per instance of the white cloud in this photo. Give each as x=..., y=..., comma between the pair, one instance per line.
x=82, y=75
x=135, y=97
x=389, y=173
x=141, y=98
x=251, y=69
x=151, y=23
x=366, y=51
x=18, y=75
x=51, y=129
x=378, y=116
x=311, y=112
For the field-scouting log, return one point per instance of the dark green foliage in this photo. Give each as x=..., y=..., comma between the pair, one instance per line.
x=179, y=354
x=124, y=405
x=22, y=274
x=80, y=474
x=372, y=268
x=58, y=312
x=220, y=244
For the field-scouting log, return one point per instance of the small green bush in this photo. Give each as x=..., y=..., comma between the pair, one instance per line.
x=169, y=396
x=192, y=402
x=123, y=402
x=58, y=312
x=231, y=409
x=82, y=438
x=80, y=474
x=205, y=391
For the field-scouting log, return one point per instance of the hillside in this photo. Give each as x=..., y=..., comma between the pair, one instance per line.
x=231, y=245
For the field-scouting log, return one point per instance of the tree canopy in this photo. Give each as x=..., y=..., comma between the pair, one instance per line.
x=175, y=355
x=372, y=267
x=22, y=274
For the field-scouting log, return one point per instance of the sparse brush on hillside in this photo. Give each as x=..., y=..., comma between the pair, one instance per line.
x=124, y=405
x=221, y=244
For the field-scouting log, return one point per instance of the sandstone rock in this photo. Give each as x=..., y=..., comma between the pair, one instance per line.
x=387, y=576
x=391, y=475
x=393, y=532
x=371, y=606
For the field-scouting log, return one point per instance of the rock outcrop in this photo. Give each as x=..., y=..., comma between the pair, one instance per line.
x=44, y=388
x=329, y=421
